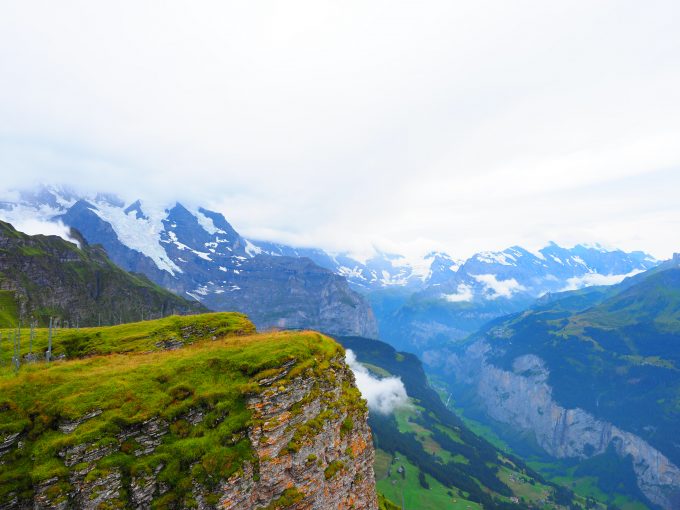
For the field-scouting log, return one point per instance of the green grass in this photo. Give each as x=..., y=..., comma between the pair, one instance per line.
x=146, y=336
x=376, y=370
x=8, y=308
x=128, y=379
x=585, y=486
x=437, y=497
x=385, y=504
x=406, y=417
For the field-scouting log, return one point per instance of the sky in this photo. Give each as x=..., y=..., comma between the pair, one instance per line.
x=395, y=125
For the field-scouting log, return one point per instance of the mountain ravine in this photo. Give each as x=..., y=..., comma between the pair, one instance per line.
x=523, y=399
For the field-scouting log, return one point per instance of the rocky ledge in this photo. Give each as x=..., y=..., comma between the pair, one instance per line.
x=305, y=443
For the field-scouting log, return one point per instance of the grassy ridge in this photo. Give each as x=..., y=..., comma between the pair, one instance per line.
x=143, y=336
x=138, y=381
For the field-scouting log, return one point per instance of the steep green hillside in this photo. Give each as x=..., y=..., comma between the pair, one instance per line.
x=45, y=276
x=619, y=360
x=137, y=337
x=122, y=408
x=444, y=464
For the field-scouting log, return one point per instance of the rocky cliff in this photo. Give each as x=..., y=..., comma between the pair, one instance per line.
x=228, y=421
x=522, y=398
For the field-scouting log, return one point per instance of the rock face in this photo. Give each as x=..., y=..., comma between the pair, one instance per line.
x=311, y=449
x=523, y=399
x=304, y=460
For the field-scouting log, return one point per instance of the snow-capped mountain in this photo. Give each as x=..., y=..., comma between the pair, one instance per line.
x=516, y=271
x=197, y=253
x=484, y=276
x=382, y=270
x=456, y=301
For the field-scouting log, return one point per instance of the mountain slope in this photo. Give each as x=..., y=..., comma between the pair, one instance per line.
x=493, y=284
x=444, y=464
x=231, y=420
x=604, y=376
x=198, y=254
x=43, y=276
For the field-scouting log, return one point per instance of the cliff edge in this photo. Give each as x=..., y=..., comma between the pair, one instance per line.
x=190, y=412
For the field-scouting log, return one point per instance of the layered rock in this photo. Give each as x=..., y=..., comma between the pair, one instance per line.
x=310, y=443
x=310, y=453
x=523, y=399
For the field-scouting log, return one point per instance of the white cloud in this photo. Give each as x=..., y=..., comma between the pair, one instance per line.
x=590, y=279
x=499, y=288
x=463, y=293
x=383, y=395
x=455, y=126
x=33, y=227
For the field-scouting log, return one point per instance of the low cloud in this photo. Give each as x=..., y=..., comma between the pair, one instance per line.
x=499, y=288
x=463, y=294
x=591, y=279
x=383, y=395
x=49, y=228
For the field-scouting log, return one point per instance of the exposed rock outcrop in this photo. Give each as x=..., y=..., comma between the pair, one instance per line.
x=311, y=449
x=523, y=399
x=316, y=456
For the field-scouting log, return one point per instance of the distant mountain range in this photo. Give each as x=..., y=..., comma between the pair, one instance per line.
x=418, y=303
x=590, y=374
x=457, y=298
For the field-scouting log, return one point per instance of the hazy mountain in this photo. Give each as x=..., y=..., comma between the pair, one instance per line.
x=457, y=300
x=419, y=303
x=197, y=254
x=445, y=464
x=589, y=374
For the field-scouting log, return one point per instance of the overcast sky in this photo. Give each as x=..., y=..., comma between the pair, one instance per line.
x=406, y=125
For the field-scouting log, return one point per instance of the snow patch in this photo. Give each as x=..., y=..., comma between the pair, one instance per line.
x=489, y=257
x=252, y=249
x=579, y=260
x=355, y=272
x=207, y=224
x=142, y=235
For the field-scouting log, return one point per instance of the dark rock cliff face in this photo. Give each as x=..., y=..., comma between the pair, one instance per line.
x=289, y=293
x=48, y=276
